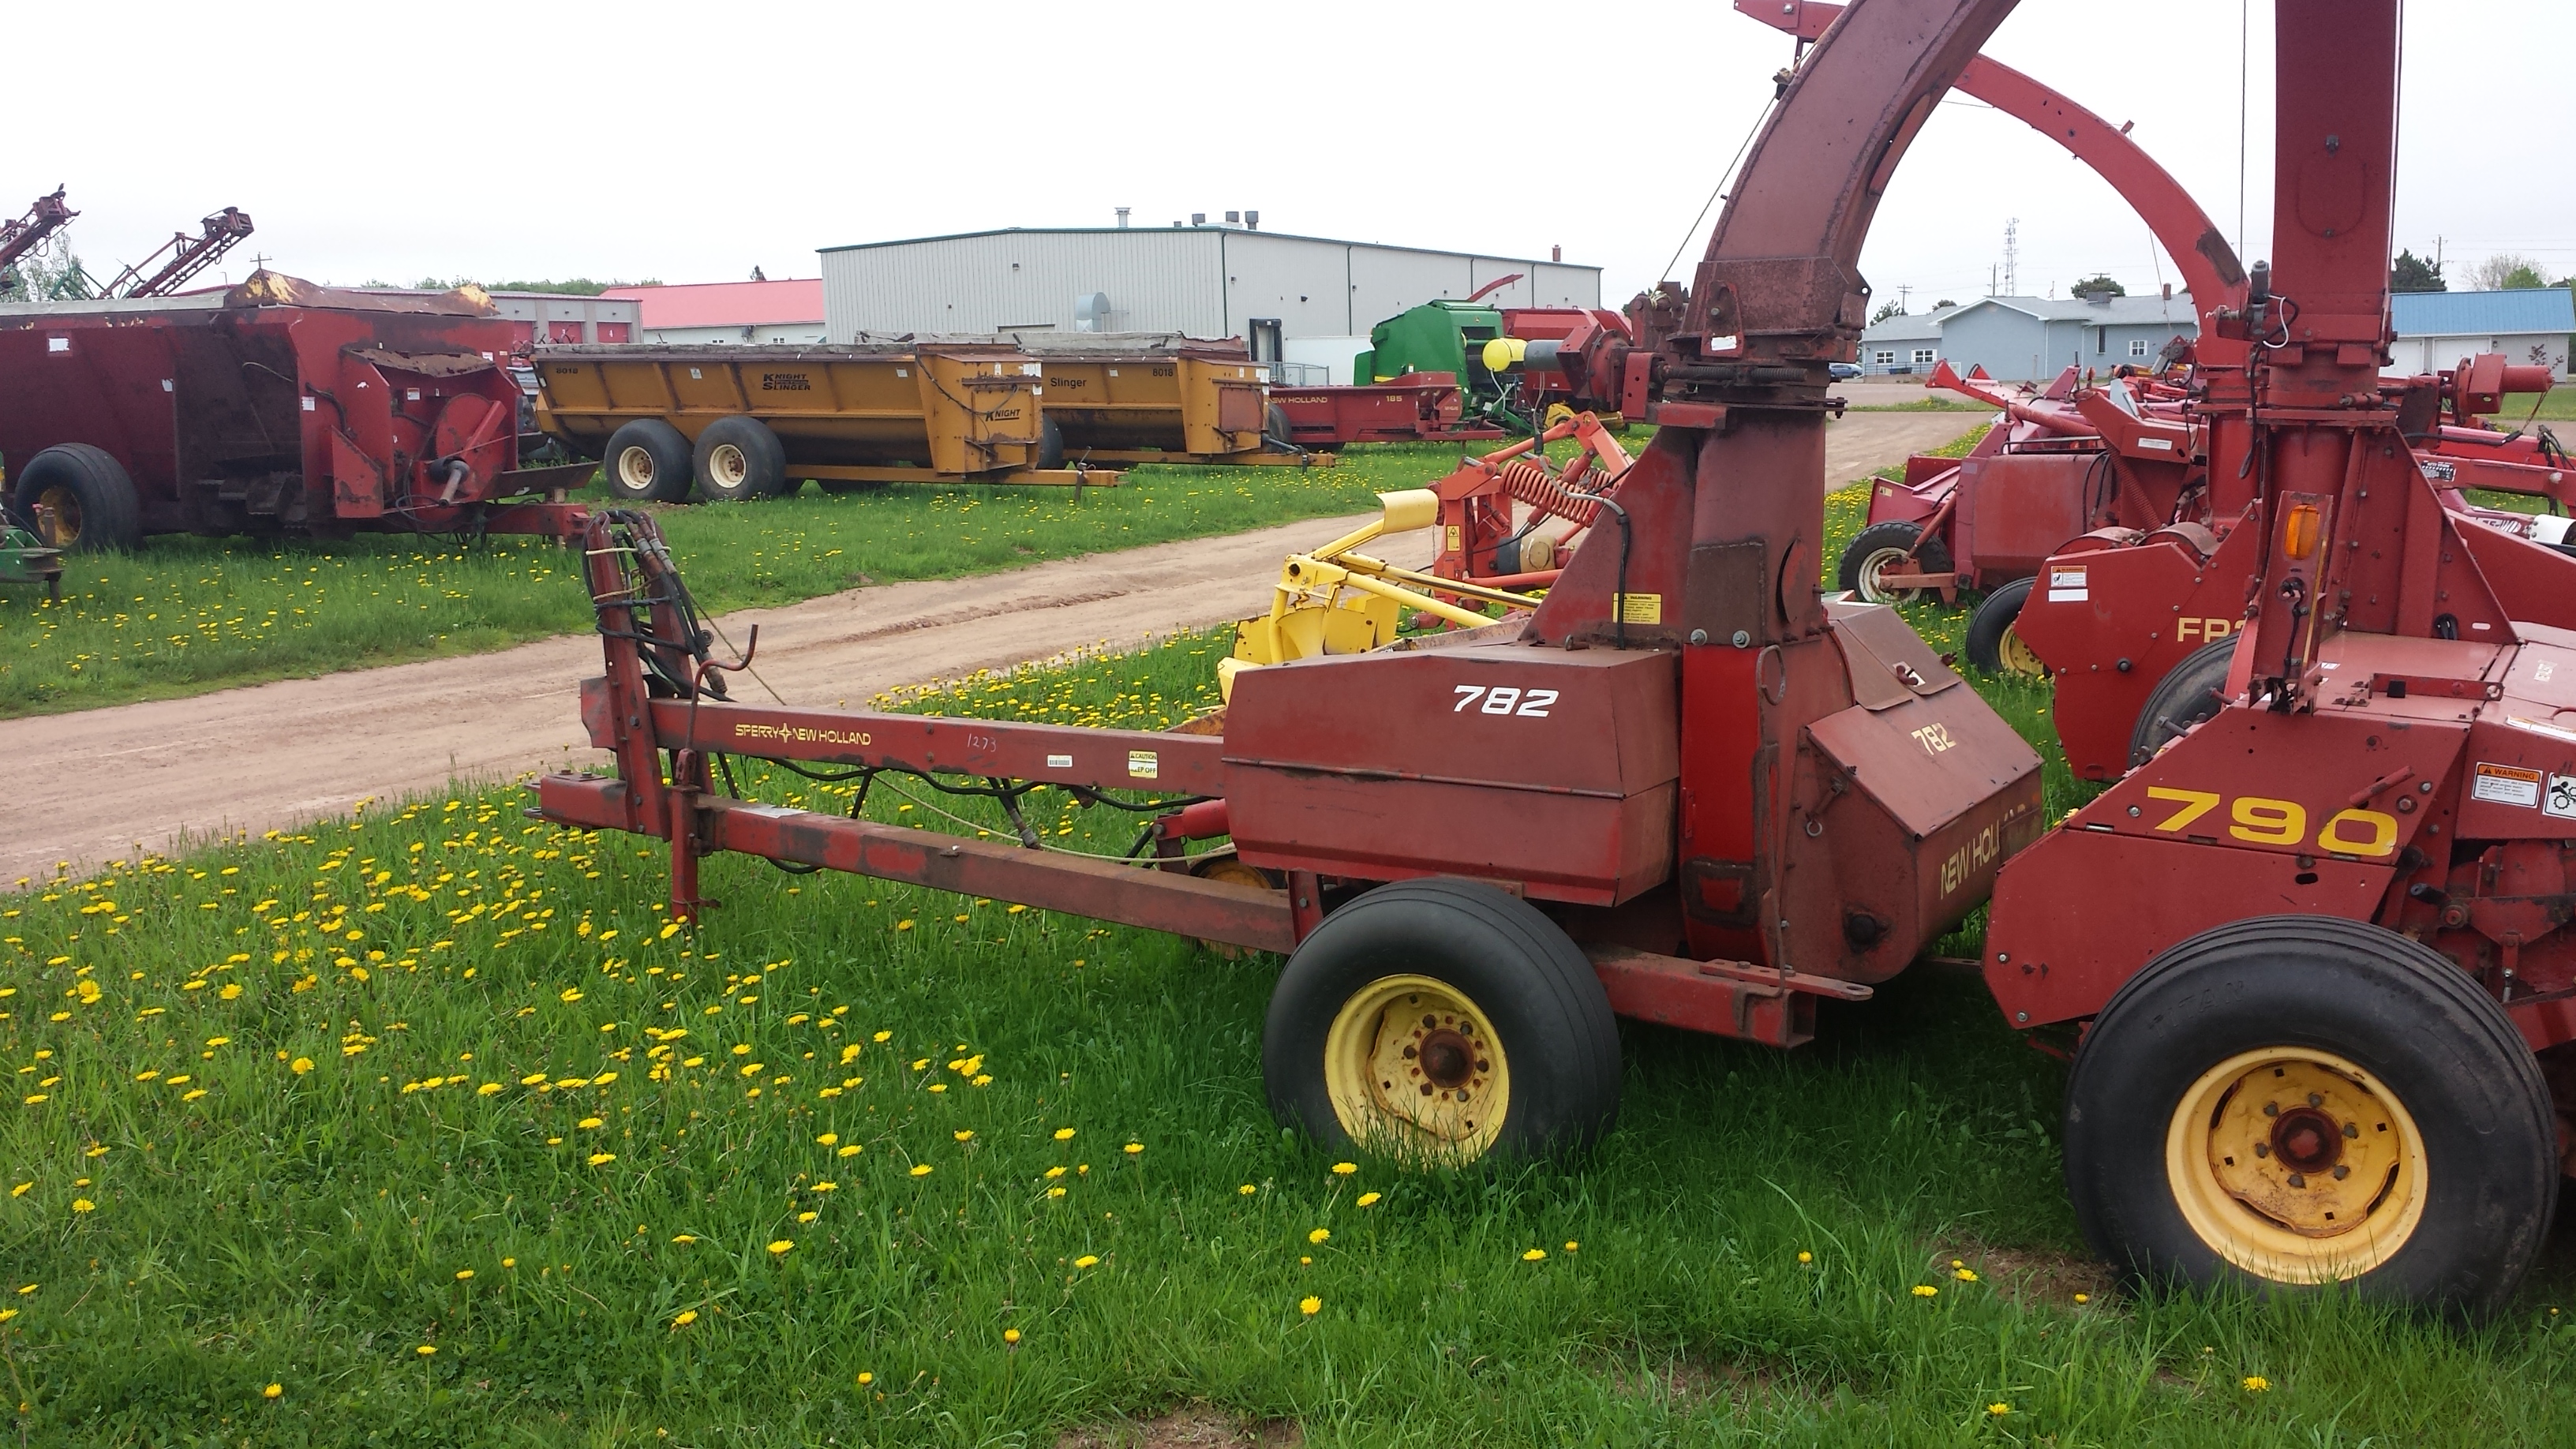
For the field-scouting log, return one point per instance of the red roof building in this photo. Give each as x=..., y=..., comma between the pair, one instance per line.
x=787, y=310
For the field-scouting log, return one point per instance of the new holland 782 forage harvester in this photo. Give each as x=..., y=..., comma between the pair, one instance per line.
x=2317, y=941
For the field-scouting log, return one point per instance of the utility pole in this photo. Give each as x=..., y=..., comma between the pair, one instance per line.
x=1903, y=295
x=2012, y=257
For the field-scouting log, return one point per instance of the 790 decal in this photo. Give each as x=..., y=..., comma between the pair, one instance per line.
x=1504, y=699
x=2261, y=820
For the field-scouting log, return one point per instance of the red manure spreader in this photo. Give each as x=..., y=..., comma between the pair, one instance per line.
x=2311, y=958
x=274, y=407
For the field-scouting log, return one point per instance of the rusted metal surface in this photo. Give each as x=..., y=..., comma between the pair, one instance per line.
x=1425, y=407
x=21, y=235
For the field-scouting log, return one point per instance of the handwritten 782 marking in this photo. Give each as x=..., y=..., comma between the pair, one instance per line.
x=1505, y=699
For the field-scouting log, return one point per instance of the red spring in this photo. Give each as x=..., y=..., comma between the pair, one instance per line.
x=1531, y=482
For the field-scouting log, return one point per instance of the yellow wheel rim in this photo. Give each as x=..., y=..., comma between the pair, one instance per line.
x=2296, y=1165
x=2017, y=657
x=1873, y=570
x=727, y=465
x=65, y=506
x=635, y=469
x=1415, y=1071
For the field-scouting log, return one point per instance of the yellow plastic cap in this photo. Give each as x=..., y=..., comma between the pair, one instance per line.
x=1504, y=353
x=1408, y=510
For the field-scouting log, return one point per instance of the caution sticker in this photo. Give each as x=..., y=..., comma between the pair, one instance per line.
x=2066, y=584
x=1143, y=765
x=2506, y=785
x=1641, y=608
x=2561, y=799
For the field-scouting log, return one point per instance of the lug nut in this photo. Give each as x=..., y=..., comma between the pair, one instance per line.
x=2297, y=1181
x=2341, y=1172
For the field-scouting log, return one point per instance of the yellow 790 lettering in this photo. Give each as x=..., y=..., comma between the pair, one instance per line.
x=2195, y=804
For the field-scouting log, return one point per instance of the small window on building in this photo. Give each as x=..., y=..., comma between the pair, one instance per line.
x=563, y=332
x=1923, y=357
x=614, y=332
x=2137, y=347
x=1887, y=357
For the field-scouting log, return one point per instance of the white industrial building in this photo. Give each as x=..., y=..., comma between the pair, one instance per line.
x=2436, y=330
x=1297, y=299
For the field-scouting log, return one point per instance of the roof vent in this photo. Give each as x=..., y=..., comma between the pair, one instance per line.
x=2099, y=299
x=1198, y=218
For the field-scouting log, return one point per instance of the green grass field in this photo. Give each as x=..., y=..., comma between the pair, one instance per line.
x=186, y=615
x=424, y=1128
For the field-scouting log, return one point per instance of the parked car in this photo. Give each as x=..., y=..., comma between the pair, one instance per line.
x=1843, y=370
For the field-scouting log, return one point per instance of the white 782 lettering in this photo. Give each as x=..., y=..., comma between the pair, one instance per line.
x=1504, y=699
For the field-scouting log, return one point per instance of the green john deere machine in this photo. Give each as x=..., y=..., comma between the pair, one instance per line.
x=1441, y=336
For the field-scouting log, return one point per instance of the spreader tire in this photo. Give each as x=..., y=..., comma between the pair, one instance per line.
x=647, y=461
x=2285, y=1101
x=1441, y=1021
x=738, y=459
x=89, y=493
x=1050, y=445
x=1992, y=646
x=1884, y=545
x=2190, y=692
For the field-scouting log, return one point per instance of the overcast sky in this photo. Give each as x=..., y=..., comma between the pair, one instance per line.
x=692, y=143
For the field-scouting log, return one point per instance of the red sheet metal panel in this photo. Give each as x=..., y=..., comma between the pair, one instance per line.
x=1546, y=767
x=1143, y=760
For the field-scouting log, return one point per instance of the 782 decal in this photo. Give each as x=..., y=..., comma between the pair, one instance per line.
x=1504, y=699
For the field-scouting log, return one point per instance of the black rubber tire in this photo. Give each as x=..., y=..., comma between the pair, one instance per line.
x=1992, y=620
x=2392, y=1006
x=1540, y=996
x=646, y=461
x=1883, y=538
x=763, y=461
x=1274, y=427
x=2189, y=693
x=109, y=515
x=1050, y=445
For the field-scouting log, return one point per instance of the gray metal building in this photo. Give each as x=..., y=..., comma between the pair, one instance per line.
x=1297, y=299
x=2033, y=338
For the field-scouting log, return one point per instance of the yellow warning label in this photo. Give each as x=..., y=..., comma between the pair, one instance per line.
x=1641, y=608
x=1143, y=765
x=1452, y=530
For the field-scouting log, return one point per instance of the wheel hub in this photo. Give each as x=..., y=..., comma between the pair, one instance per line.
x=65, y=507
x=1414, y=1068
x=2017, y=657
x=635, y=468
x=1873, y=573
x=2296, y=1165
x=727, y=464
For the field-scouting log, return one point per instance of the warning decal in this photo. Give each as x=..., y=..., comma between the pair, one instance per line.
x=2066, y=584
x=2562, y=796
x=1143, y=765
x=2506, y=785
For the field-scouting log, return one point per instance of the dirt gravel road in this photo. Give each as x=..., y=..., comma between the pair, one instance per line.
x=105, y=783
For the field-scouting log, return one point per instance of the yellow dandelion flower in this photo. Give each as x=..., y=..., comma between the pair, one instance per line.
x=866, y=1378
x=21, y=1189
x=464, y=1273
x=1086, y=1261
x=1247, y=1189
x=2257, y=1384
x=921, y=1169
x=685, y=1238
x=1368, y=1199
x=2087, y=1298
x=1805, y=1257
x=272, y=1391
x=965, y=1136
x=1998, y=1410
x=426, y=1350
x=828, y=1138
x=1964, y=1275
x=301, y=1066
x=1571, y=1245
x=685, y=1317
x=1135, y=1147
x=487, y=1089
x=782, y=1246
x=1310, y=1306
x=1925, y=1290
x=1345, y=1169
x=1533, y=1255
x=587, y=1123
x=850, y=1151
x=83, y=1205
x=1319, y=1235
x=601, y=1158
x=1064, y=1134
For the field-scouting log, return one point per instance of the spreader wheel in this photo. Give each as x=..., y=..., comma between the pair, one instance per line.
x=85, y=494
x=2190, y=692
x=738, y=459
x=2295, y=1100
x=1884, y=546
x=1440, y=1021
x=1993, y=644
x=647, y=461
